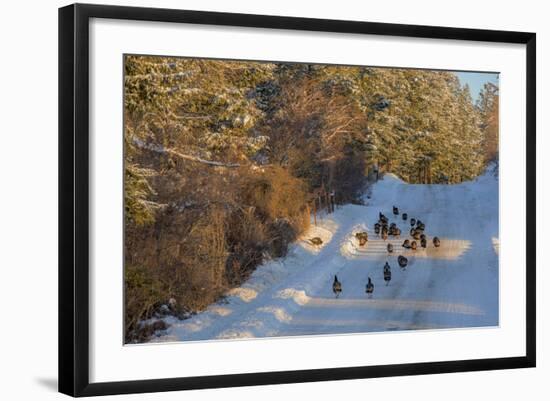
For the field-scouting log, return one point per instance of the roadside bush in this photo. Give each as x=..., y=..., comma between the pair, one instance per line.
x=184, y=254
x=282, y=233
x=349, y=179
x=247, y=240
x=142, y=293
x=194, y=254
x=276, y=194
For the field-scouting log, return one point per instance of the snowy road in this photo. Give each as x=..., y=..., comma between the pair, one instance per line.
x=455, y=285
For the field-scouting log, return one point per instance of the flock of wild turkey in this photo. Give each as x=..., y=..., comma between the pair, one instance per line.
x=384, y=230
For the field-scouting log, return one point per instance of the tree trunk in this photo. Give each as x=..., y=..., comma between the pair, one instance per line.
x=315, y=211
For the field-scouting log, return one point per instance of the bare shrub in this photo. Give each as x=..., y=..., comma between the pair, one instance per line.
x=247, y=241
x=276, y=194
x=142, y=293
x=203, y=254
x=349, y=178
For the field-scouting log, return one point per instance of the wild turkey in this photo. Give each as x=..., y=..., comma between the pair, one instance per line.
x=405, y=217
x=413, y=222
x=395, y=210
x=420, y=226
x=336, y=287
x=316, y=241
x=384, y=234
x=402, y=261
x=422, y=236
x=387, y=273
x=413, y=245
x=416, y=234
x=406, y=244
x=369, y=289
x=390, y=248
x=437, y=242
x=423, y=242
x=377, y=228
x=362, y=237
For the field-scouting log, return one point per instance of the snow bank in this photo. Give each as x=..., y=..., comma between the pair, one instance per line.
x=324, y=230
x=298, y=296
x=244, y=293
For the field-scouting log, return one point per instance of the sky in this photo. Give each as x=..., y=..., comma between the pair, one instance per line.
x=476, y=80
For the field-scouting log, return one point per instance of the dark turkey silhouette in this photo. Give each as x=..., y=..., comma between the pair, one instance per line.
x=413, y=245
x=336, y=287
x=377, y=228
x=369, y=288
x=395, y=231
x=423, y=242
x=405, y=217
x=316, y=241
x=406, y=244
x=402, y=261
x=437, y=242
x=390, y=248
x=387, y=273
x=413, y=222
x=395, y=210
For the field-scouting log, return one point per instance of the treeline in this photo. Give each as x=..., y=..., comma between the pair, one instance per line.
x=225, y=160
x=488, y=109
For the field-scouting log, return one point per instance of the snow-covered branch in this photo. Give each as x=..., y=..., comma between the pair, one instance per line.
x=158, y=75
x=162, y=150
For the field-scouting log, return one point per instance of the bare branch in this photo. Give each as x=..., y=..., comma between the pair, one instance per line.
x=158, y=75
x=162, y=150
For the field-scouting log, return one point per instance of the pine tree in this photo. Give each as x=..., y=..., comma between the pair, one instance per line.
x=488, y=106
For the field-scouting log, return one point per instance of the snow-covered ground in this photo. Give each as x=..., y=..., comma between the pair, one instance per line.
x=453, y=286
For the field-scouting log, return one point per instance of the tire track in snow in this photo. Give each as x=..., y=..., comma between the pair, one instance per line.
x=395, y=304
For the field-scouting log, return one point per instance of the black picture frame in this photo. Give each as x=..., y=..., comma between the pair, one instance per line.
x=74, y=198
